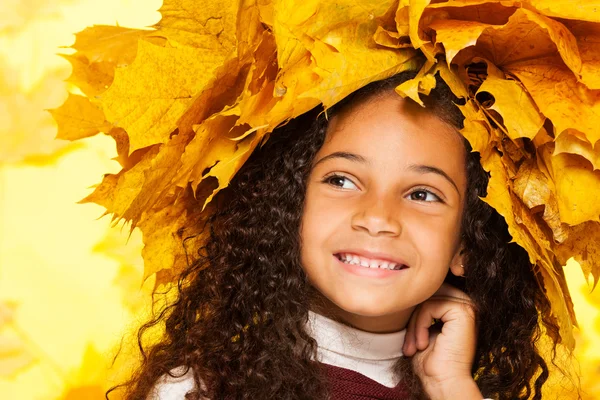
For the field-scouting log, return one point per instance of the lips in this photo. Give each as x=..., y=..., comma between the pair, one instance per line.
x=370, y=260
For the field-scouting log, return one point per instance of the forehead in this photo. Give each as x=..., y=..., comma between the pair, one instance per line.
x=390, y=108
x=388, y=129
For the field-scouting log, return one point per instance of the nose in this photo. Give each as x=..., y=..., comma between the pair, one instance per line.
x=377, y=217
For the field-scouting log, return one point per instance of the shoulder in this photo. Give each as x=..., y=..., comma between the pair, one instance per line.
x=173, y=386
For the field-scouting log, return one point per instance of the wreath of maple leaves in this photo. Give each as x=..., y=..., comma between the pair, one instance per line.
x=189, y=100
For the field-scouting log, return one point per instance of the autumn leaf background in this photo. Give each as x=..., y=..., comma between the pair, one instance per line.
x=71, y=285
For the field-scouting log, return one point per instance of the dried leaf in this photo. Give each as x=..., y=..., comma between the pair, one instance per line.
x=172, y=236
x=423, y=83
x=569, y=142
x=584, y=10
x=339, y=41
x=457, y=35
x=588, y=42
x=585, y=251
x=78, y=118
x=537, y=193
x=209, y=26
x=391, y=39
x=207, y=148
x=575, y=181
x=92, y=78
x=519, y=113
x=117, y=192
x=499, y=197
x=568, y=103
x=408, y=19
x=148, y=97
x=561, y=301
x=112, y=44
x=158, y=174
x=476, y=128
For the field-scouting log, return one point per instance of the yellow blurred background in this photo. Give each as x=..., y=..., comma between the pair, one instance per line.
x=70, y=284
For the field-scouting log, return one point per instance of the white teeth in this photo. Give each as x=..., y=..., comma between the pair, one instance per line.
x=365, y=262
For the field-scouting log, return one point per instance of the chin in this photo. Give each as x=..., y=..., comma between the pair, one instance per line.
x=372, y=307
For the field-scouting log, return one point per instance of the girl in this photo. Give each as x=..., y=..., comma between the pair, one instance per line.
x=331, y=253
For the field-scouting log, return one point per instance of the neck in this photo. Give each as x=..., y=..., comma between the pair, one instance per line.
x=387, y=323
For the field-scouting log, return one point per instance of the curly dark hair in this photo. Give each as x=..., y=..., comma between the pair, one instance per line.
x=239, y=319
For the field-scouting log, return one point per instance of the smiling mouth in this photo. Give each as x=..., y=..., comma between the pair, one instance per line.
x=353, y=259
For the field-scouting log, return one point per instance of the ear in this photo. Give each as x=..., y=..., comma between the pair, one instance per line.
x=456, y=265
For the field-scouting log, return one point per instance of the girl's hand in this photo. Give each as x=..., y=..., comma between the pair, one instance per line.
x=443, y=360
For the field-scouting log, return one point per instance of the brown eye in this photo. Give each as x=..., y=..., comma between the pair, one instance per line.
x=340, y=181
x=337, y=181
x=424, y=195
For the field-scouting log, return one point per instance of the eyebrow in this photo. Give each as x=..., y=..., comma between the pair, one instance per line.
x=345, y=155
x=419, y=168
x=428, y=169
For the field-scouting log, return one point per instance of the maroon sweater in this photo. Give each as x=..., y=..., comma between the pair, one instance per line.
x=345, y=384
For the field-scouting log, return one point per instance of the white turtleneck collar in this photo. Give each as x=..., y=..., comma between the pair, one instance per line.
x=371, y=354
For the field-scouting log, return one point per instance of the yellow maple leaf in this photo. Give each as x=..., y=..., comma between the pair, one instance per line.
x=211, y=26
x=172, y=236
x=78, y=118
x=476, y=128
x=566, y=102
x=423, y=83
x=147, y=105
x=117, y=192
x=583, y=10
x=571, y=142
x=583, y=250
x=91, y=78
x=519, y=113
x=575, y=180
x=536, y=191
x=588, y=41
x=111, y=44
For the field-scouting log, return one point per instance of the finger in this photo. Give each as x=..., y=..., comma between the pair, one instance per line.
x=430, y=310
x=421, y=329
x=446, y=311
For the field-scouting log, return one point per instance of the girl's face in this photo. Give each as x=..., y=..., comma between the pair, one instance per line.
x=381, y=224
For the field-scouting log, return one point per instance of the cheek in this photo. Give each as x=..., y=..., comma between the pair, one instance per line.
x=322, y=221
x=436, y=239
x=311, y=231
x=322, y=215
